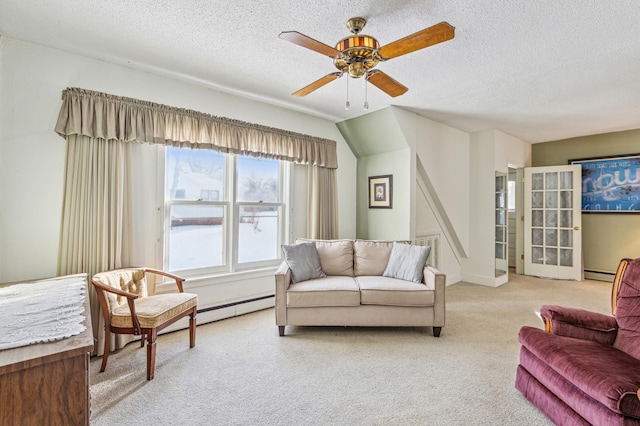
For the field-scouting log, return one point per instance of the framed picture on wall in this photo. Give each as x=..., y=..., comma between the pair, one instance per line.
x=381, y=192
x=610, y=184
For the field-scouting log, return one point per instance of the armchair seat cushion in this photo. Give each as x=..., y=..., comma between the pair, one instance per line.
x=153, y=311
x=602, y=372
x=375, y=290
x=328, y=291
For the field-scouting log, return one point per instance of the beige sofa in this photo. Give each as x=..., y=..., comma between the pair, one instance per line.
x=355, y=292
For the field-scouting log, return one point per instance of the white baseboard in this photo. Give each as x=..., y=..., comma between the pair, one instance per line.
x=223, y=313
x=489, y=281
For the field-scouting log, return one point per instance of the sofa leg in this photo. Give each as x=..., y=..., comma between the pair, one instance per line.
x=281, y=330
x=436, y=331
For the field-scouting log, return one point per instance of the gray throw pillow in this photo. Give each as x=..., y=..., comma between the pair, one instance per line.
x=407, y=262
x=303, y=260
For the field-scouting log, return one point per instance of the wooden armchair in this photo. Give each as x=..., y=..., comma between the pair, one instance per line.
x=128, y=309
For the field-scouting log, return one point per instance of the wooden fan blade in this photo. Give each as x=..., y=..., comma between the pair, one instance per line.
x=425, y=38
x=317, y=84
x=385, y=83
x=305, y=41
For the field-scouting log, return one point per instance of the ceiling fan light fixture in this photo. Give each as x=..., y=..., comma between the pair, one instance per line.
x=356, y=69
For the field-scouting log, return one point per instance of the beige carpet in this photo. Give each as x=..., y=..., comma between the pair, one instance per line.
x=242, y=373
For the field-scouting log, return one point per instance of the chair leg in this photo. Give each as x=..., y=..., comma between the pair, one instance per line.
x=281, y=330
x=107, y=343
x=192, y=328
x=143, y=336
x=151, y=353
x=436, y=331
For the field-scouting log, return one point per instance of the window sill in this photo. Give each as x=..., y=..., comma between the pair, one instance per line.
x=213, y=279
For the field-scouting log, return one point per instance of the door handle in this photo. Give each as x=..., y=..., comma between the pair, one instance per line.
x=576, y=228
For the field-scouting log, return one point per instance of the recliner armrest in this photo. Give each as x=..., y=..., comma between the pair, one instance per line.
x=579, y=323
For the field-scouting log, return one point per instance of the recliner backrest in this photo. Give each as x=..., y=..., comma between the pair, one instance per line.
x=626, y=306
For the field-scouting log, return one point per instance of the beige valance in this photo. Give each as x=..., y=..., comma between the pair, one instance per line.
x=105, y=116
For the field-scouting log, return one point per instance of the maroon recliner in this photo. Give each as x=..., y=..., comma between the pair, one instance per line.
x=584, y=368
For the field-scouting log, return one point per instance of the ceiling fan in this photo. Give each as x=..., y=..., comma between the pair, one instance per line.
x=357, y=54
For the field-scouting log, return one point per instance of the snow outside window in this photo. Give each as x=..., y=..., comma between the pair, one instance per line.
x=223, y=212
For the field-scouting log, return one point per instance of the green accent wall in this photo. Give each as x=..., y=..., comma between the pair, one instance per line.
x=377, y=141
x=606, y=237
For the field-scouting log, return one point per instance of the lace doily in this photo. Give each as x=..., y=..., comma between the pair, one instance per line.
x=43, y=311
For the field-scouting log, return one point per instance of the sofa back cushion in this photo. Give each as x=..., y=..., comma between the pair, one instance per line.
x=370, y=257
x=336, y=256
x=628, y=310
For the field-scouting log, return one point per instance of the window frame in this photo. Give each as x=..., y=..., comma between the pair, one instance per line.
x=231, y=221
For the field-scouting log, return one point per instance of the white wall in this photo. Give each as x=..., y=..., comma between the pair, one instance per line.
x=491, y=151
x=443, y=152
x=510, y=151
x=32, y=156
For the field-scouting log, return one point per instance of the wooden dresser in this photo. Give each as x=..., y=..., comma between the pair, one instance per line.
x=47, y=383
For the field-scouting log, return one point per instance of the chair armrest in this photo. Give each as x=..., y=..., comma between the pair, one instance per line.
x=436, y=281
x=114, y=290
x=130, y=298
x=283, y=279
x=579, y=323
x=179, y=280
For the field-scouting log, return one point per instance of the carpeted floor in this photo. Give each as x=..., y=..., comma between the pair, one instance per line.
x=242, y=373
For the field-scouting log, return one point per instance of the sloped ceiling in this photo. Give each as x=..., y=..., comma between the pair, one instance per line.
x=375, y=133
x=538, y=70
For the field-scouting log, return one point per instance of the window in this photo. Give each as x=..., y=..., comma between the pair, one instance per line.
x=223, y=212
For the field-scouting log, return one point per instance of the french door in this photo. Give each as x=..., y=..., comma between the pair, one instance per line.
x=552, y=222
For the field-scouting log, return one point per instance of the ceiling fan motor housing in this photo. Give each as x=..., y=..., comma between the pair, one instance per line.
x=358, y=55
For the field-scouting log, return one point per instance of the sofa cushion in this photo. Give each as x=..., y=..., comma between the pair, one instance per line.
x=329, y=291
x=336, y=256
x=370, y=257
x=303, y=260
x=407, y=262
x=606, y=374
x=375, y=290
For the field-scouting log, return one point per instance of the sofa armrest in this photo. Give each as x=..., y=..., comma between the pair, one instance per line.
x=579, y=323
x=436, y=281
x=283, y=279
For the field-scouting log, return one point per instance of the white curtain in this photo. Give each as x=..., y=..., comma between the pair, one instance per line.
x=322, y=205
x=95, y=232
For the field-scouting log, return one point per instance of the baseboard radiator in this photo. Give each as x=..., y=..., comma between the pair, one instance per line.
x=433, y=241
x=240, y=302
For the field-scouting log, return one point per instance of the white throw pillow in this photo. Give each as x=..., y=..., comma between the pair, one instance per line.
x=407, y=262
x=303, y=260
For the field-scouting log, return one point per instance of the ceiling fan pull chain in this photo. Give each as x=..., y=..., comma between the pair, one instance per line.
x=347, y=104
x=366, y=99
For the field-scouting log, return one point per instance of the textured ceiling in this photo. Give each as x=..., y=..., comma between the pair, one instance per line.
x=538, y=70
